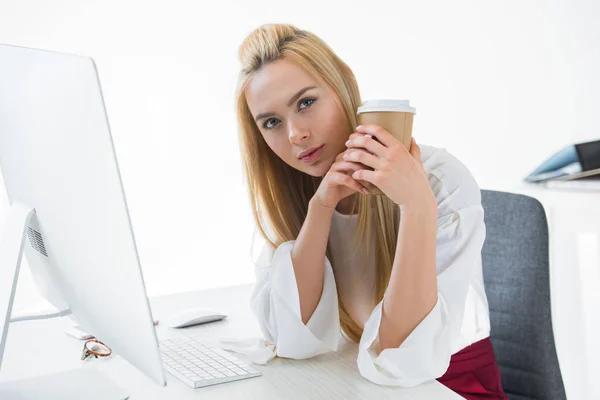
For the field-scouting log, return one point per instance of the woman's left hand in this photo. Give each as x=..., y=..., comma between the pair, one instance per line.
x=398, y=173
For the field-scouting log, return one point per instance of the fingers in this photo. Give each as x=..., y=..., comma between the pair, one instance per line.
x=415, y=150
x=346, y=166
x=341, y=179
x=383, y=136
x=367, y=142
x=366, y=175
x=363, y=157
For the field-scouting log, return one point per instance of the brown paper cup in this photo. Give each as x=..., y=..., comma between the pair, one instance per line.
x=395, y=116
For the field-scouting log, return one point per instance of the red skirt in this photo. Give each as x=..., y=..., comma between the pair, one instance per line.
x=473, y=373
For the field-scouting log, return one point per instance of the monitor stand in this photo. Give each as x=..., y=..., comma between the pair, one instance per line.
x=69, y=385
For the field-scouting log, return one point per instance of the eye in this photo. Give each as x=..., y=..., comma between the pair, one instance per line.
x=303, y=104
x=308, y=102
x=268, y=124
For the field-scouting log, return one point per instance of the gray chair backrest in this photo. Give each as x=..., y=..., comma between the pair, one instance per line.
x=516, y=277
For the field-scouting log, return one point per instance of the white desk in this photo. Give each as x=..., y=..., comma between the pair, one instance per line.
x=574, y=228
x=40, y=347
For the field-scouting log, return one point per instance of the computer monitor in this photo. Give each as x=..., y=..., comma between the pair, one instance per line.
x=69, y=214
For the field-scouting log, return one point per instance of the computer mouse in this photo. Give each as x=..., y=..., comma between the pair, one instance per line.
x=193, y=316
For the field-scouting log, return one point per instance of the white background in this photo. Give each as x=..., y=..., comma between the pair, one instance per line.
x=499, y=84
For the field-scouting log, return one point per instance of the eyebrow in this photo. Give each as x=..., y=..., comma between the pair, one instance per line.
x=292, y=100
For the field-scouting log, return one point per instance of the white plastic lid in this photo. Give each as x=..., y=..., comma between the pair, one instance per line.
x=382, y=105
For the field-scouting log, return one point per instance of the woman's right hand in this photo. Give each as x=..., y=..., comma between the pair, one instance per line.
x=338, y=183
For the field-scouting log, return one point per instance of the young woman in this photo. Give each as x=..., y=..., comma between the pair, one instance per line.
x=401, y=274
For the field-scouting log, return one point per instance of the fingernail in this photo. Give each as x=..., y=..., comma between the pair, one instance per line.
x=348, y=143
x=344, y=156
x=365, y=191
x=368, y=135
x=358, y=127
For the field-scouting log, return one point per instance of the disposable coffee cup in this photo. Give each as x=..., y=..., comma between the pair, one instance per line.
x=395, y=116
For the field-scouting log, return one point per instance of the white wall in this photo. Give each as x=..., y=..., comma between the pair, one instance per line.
x=500, y=84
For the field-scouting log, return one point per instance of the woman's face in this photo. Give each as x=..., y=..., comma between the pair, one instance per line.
x=297, y=114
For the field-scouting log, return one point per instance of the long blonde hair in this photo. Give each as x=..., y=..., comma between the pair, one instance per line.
x=280, y=194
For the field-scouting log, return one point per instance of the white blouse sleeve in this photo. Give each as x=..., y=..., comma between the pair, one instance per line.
x=425, y=354
x=276, y=304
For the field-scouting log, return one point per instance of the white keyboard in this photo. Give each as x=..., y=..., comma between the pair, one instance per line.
x=199, y=364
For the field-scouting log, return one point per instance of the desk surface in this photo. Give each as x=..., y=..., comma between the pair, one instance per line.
x=40, y=347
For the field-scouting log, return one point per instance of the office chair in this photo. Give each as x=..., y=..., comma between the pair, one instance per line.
x=516, y=278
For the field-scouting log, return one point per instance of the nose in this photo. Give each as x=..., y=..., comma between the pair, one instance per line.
x=298, y=134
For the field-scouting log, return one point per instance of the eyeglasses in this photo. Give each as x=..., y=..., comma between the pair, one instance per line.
x=95, y=348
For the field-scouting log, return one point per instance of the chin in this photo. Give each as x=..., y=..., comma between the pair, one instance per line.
x=316, y=174
x=318, y=171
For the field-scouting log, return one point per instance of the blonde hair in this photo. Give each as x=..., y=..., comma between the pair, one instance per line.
x=280, y=194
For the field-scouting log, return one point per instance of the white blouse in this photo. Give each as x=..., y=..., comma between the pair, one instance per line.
x=459, y=318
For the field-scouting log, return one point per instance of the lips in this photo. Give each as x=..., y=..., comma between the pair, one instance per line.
x=309, y=152
x=312, y=155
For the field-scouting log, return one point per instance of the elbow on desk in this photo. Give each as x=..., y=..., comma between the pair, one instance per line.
x=386, y=371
